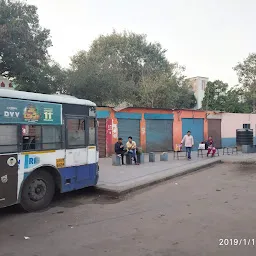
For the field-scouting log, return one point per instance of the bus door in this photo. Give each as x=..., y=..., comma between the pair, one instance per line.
x=8, y=179
x=76, y=151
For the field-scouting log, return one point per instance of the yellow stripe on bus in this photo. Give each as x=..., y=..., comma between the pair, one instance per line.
x=38, y=152
x=92, y=147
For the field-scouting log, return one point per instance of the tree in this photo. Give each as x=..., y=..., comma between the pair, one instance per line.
x=152, y=90
x=246, y=72
x=237, y=101
x=23, y=43
x=215, y=96
x=163, y=92
x=125, y=67
x=129, y=53
x=50, y=78
x=112, y=68
x=218, y=97
x=88, y=79
x=181, y=97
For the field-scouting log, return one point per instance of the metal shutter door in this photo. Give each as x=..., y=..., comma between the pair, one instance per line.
x=196, y=126
x=214, y=130
x=102, y=137
x=129, y=127
x=159, y=135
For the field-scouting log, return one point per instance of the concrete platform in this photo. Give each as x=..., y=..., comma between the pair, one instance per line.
x=120, y=180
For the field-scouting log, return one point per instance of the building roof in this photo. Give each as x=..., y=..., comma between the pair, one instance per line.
x=169, y=109
x=55, y=98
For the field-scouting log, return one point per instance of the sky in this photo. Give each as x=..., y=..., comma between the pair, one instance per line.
x=209, y=37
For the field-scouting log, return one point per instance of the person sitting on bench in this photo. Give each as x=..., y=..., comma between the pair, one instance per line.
x=210, y=146
x=119, y=149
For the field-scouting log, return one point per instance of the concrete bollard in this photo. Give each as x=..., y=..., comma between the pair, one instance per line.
x=116, y=160
x=152, y=157
x=164, y=156
x=128, y=158
x=140, y=158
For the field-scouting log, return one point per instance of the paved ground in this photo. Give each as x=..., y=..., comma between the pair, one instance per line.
x=118, y=179
x=187, y=216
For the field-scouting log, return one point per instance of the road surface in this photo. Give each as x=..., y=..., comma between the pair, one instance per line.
x=187, y=216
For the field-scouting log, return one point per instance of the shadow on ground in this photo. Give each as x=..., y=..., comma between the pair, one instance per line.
x=69, y=200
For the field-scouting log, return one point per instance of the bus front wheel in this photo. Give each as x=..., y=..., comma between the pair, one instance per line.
x=38, y=191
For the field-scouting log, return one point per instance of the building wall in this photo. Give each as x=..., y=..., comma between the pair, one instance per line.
x=231, y=122
x=177, y=124
x=177, y=115
x=199, y=85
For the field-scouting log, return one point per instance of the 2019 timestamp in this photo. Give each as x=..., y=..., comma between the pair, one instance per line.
x=236, y=241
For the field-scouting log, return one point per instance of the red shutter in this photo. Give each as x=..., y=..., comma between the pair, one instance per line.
x=102, y=137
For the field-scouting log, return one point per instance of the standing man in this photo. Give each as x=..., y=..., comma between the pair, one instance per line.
x=131, y=149
x=188, y=140
x=119, y=149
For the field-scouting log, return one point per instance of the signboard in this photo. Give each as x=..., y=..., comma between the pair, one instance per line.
x=109, y=146
x=30, y=112
x=60, y=162
x=31, y=161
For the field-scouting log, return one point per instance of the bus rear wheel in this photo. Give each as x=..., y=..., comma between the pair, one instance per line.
x=38, y=191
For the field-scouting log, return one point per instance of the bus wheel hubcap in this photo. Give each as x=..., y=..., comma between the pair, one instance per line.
x=37, y=190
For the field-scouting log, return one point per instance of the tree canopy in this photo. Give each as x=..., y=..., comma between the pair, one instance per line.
x=23, y=43
x=119, y=67
x=237, y=99
x=219, y=97
x=246, y=72
x=126, y=67
x=24, y=50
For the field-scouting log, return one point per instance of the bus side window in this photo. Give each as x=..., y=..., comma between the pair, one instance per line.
x=92, y=132
x=52, y=138
x=8, y=139
x=76, y=133
x=31, y=137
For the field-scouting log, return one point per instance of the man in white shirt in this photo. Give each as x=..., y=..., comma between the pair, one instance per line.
x=188, y=140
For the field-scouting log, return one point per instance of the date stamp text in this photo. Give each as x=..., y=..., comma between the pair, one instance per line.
x=236, y=242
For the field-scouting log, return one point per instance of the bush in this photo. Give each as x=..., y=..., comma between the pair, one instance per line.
x=139, y=151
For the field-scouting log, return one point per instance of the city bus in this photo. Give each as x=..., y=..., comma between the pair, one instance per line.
x=48, y=143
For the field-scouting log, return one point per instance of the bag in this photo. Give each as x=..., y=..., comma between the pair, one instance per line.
x=201, y=146
x=178, y=147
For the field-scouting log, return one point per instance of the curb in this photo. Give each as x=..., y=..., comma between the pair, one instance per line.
x=121, y=192
x=242, y=162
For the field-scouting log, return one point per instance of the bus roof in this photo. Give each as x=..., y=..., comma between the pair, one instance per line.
x=55, y=98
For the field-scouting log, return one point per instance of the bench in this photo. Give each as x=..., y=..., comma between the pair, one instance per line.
x=178, y=154
x=230, y=150
x=203, y=152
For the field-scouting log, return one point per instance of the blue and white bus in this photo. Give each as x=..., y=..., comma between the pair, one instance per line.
x=47, y=143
